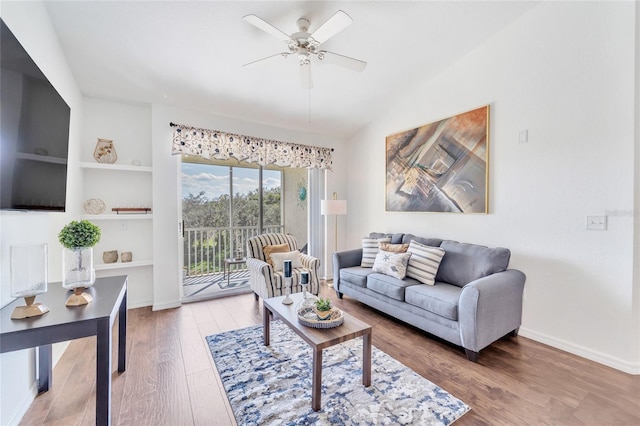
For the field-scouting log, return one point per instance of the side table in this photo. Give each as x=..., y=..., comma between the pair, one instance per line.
x=226, y=271
x=66, y=323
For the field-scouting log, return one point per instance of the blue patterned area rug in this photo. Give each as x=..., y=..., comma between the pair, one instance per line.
x=271, y=385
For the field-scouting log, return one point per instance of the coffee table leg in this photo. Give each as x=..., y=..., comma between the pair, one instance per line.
x=316, y=387
x=366, y=359
x=266, y=324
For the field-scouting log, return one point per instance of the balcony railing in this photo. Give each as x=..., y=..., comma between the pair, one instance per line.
x=206, y=248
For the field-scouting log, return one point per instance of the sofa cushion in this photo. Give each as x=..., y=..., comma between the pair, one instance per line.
x=424, y=262
x=395, y=238
x=393, y=248
x=370, y=249
x=355, y=275
x=392, y=264
x=433, y=242
x=463, y=263
x=389, y=286
x=441, y=299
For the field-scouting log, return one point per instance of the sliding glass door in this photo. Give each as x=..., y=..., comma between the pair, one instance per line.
x=226, y=203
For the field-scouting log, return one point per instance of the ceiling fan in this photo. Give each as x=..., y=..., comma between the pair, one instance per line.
x=307, y=45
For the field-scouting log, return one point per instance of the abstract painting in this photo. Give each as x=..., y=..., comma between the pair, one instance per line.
x=441, y=166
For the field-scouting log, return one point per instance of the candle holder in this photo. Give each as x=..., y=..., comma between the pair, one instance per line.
x=287, y=283
x=28, y=278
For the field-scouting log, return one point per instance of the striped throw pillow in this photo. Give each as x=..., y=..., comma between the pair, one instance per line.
x=424, y=262
x=370, y=249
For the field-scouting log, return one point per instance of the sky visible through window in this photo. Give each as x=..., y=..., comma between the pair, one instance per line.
x=214, y=180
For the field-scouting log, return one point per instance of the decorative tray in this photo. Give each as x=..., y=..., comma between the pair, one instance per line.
x=309, y=318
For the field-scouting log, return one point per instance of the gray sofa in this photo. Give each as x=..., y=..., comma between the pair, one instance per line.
x=476, y=299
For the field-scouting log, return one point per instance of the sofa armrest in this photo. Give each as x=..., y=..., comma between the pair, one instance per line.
x=345, y=259
x=489, y=308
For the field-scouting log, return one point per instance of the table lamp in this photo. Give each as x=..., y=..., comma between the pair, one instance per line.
x=28, y=278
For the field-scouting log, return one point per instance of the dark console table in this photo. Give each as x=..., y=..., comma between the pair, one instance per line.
x=63, y=323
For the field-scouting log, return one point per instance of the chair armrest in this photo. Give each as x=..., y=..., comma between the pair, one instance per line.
x=309, y=262
x=345, y=259
x=490, y=307
x=257, y=266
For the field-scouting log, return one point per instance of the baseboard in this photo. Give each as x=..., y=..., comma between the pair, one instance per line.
x=581, y=351
x=24, y=405
x=166, y=305
x=139, y=304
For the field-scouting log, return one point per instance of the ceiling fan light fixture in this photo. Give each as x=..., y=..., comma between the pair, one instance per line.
x=303, y=24
x=305, y=44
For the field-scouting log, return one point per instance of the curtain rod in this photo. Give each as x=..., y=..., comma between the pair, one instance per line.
x=172, y=124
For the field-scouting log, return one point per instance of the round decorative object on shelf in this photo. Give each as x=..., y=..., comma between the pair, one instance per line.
x=94, y=206
x=105, y=152
x=126, y=256
x=110, y=256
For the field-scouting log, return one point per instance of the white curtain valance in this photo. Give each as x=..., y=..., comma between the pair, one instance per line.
x=208, y=144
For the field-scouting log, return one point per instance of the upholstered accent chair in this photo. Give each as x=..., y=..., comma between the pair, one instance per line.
x=265, y=278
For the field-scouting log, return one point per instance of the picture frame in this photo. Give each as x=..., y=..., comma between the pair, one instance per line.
x=441, y=166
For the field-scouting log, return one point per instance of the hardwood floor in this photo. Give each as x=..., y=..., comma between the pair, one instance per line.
x=171, y=378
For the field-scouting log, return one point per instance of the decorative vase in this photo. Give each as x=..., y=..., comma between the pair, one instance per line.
x=126, y=256
x=78, y=274
x=105, y=152
x=307, y=306
x=110, y=256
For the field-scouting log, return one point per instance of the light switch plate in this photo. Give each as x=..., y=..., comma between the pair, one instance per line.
x=597, y=223
x=523, y=136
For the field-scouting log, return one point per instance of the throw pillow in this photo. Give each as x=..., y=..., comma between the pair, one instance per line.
x=392, y=264
x=277, y=248
x=370, y=249
x=393, y=248
x=424, y=262
x=279, y=258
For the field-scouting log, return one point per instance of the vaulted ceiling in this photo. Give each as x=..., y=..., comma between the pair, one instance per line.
x=190, y=54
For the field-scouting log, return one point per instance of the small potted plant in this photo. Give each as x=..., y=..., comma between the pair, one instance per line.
x=323, y=308
x=78, y=238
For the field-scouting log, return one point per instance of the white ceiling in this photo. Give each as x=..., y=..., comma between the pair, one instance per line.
x=190, y=54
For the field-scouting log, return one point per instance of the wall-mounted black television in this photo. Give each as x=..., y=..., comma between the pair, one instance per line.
x=34, y=133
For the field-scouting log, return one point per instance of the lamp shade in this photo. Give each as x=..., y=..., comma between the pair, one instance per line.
x=329, y=207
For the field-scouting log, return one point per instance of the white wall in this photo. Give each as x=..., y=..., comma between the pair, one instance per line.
x=129, y=126
x=566, y=73
x=30, y=24
x=166, y=186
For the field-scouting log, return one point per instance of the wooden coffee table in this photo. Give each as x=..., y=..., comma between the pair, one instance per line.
x=319, y=338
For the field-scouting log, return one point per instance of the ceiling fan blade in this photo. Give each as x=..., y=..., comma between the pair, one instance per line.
x=343, y=61
x=267, y=28
x=305, y=76
x=332, y=26
x=268, y=58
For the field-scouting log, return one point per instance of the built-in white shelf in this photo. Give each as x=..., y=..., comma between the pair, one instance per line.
x=111, y=216
x=122, y=265
x=116, y=167
x=41, y=158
